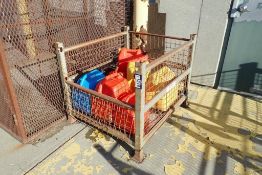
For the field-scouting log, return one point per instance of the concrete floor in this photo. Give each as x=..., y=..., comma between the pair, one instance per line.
x=219, y=134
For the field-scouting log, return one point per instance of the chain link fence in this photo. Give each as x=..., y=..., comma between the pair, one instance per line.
x=28, y=30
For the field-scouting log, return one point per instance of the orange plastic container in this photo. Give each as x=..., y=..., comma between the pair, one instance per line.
x=113, y=85
x=128, y=55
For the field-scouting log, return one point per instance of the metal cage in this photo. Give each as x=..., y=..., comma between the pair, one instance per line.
x=113, y=116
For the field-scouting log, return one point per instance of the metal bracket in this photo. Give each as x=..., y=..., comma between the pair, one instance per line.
x=239, y=8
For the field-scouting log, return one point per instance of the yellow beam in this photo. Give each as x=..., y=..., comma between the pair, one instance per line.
x=140, y=14
x=27, y=30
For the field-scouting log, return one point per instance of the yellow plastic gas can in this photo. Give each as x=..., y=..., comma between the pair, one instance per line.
x=155, y=79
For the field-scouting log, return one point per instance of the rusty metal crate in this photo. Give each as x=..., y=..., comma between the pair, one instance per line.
x=164, y=51
x=31, y=94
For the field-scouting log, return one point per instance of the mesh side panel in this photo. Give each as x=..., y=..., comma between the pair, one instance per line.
x=155, y=46
x=109, y=116
x=158, y=78
x=30, y=28
x=6, y=110
x=93, y=55
x=39, y=94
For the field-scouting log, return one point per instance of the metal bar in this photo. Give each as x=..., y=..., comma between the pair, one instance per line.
x=105, y=128
x=176, y=65
x=162, y=121
x=29, y=63
x=157, y=126
x=93, y=42
x=166, y=56
x=72, y=76
x=164, y=36
x=139, y=111
x=60, y=52
x=170, y=86
x=193, y=38
x=11, y=92
x=189, y=62
x=105, y=97
x=127, y=37
x=44, y=130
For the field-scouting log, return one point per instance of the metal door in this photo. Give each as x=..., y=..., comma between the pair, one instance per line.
x=242, y=67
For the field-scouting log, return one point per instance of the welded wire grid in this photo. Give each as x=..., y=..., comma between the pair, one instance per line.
x=94, y=55
x=40, y=94
x=28, y=30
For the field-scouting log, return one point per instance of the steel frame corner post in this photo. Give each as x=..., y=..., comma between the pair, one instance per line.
x=139, y=112
x=18, y=119
x=193, y=38
x=60, y=53
x=127, y=40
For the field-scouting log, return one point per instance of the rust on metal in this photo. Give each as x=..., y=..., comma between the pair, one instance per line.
x=11, y=92
x=106, y=128
x=163, y=36
x=166, y=89
x=162, y=120
x=165, y=53
x=108, y=98
x=165, y=57
x=78, y=46
x=28, y=31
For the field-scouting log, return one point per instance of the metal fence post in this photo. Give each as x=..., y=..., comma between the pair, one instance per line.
x=18, y=118
x=140, y=79
x=193, y=38
x=127, y=40
x=60, y=52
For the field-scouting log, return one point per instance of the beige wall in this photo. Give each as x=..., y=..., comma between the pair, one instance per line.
x=207, y=18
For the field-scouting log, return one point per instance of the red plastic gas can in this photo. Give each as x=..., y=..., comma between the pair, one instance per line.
x=129, y=55
x=113, y=85
x=125, y=119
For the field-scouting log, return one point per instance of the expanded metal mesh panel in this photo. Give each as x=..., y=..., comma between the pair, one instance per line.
x=110, y=116
x=6, y=110
x=104, y=112
x=94, y=55
x=167, y=102
x=30, y=28
x=39, y=93
x=155, y=45
x=166, y=71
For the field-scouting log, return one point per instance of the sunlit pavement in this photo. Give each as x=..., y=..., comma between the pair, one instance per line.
x=220, y=133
